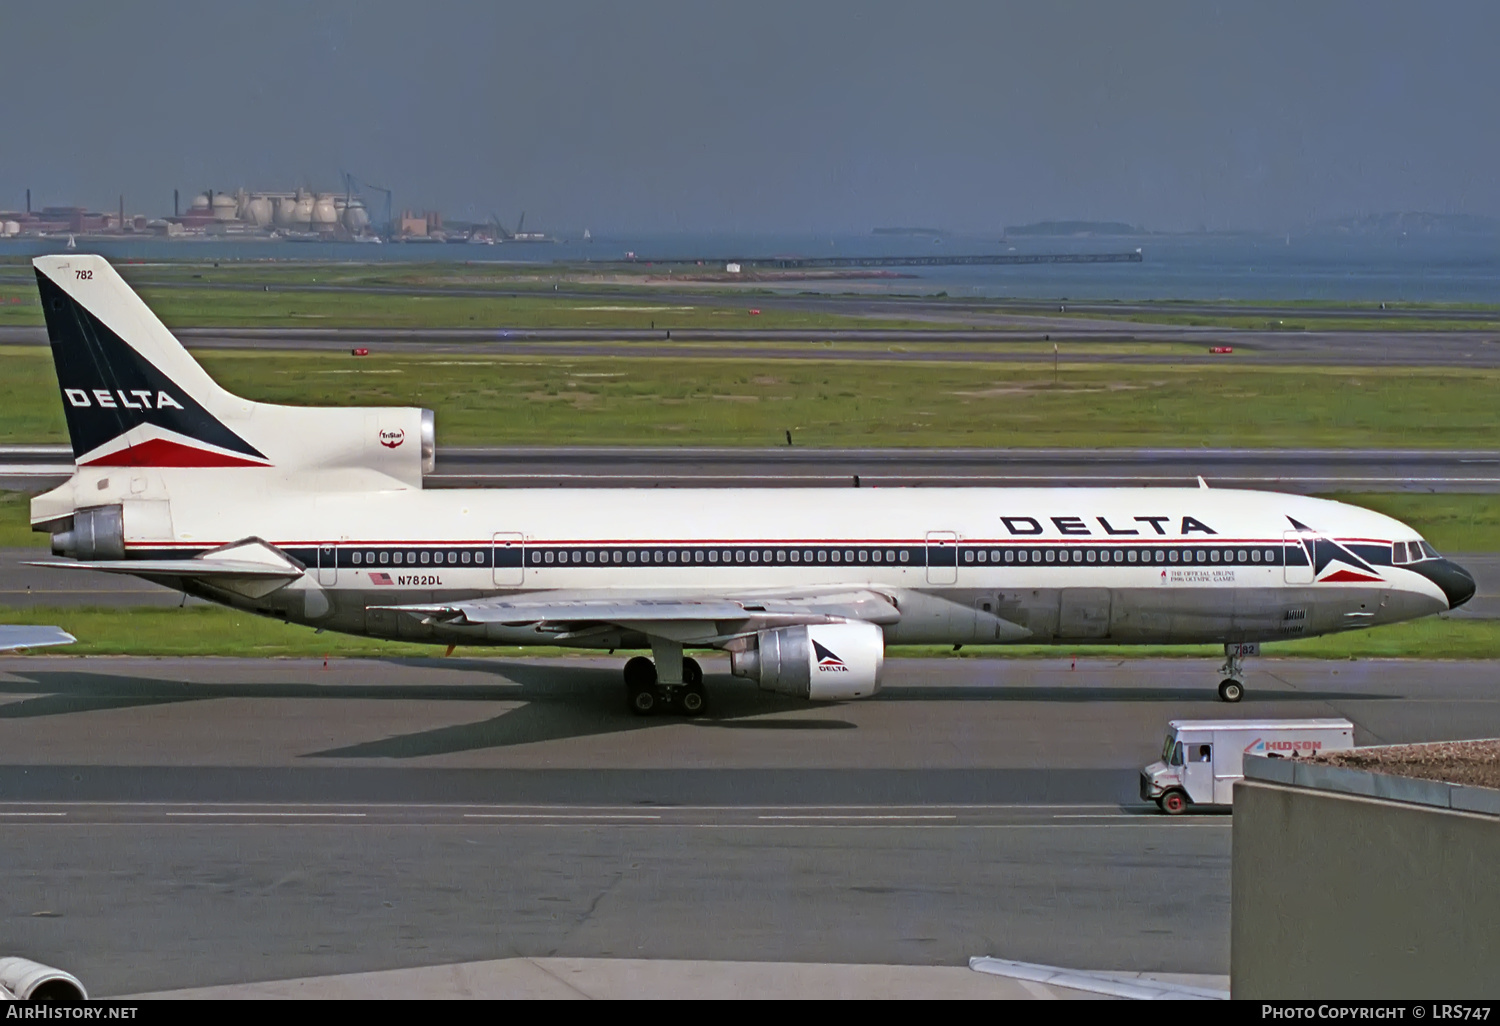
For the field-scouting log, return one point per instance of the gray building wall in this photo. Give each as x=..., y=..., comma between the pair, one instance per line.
x=1344, y=896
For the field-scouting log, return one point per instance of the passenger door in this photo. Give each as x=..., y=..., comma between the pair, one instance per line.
x=328, y=566
x=942, y=557
x=1300, y=571
x=508, y=559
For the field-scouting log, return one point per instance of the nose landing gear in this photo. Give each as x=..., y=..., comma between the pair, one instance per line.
x=646, y=694
x=1232, y=687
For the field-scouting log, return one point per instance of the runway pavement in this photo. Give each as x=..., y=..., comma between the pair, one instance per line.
x=176, y=823
x=34, y=468
x=965, y=343
x=889, y=301
x=1301, y=470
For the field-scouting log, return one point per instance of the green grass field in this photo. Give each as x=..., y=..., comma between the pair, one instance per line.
x=694, y=401
x=15, y=523
x=195, y=294
x=224, y=308
x=210, y=630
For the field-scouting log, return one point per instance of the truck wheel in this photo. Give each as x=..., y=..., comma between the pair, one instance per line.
x=1231, y=690
x=1173, y=803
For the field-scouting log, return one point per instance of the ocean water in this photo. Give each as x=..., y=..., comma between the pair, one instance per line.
x=1426, y=269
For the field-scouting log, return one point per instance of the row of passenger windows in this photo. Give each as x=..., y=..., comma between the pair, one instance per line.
x=666, y=557
x=855, y=557
x=1123, y=555
x=424, y=557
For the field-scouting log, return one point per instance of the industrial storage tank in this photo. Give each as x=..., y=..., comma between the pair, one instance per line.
x=200, y=204
x=10, y=228
x=226, y=208
x=286, y=211
x=302, y=213
x=355, y=218
x=324, y=214
x=257, y=210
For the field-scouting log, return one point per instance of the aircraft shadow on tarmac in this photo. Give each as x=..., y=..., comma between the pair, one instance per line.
x=557, y=702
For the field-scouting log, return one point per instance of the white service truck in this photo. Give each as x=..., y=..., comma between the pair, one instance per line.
x=1201, y=759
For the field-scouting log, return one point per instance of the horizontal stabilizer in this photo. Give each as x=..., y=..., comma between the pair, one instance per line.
x=247, y=559
x=179, y=568
x=13, y=637
x=251, y=567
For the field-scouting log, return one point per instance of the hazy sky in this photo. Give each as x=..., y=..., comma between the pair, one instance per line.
x=765, y=116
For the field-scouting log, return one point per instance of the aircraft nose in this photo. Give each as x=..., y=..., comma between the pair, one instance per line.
x=1456, y=582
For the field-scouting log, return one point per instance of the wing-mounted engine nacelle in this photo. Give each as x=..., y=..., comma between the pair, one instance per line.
x=822, y=662
x=24, y=980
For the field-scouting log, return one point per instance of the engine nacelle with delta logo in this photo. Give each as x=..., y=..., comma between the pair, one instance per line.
x=821, y=662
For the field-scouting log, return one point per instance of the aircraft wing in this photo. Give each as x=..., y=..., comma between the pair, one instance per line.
x=14, y=637
x=686, y=617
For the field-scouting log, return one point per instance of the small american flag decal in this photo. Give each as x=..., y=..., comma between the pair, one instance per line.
x=380, y=578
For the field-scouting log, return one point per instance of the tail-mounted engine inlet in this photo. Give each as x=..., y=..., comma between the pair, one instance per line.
x=97, y=533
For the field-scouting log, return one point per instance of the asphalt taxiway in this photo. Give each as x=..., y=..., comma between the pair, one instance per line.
x=187, y=822
x=36, y=467
x=883, y=301
x=1292, y=470
x=1013, y=341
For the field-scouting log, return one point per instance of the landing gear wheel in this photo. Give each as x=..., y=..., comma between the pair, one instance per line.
x=1173, y=803
x=641, y=693
x=1231, y=690
x=644, y=699
x=692, y=673
x=640, y=671
x=691, y=699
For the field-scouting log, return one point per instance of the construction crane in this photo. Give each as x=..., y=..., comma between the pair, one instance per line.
x=351, y=184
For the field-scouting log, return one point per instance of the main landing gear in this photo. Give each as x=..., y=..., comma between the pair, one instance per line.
x=648, y=692
x=1232, y=687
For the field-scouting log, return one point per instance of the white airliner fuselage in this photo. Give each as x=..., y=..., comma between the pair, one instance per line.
x=319, y=517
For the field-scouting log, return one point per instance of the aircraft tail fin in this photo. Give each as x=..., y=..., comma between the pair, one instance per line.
x=134, y=397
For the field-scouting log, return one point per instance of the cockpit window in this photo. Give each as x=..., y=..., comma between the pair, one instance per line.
x=1410, y=552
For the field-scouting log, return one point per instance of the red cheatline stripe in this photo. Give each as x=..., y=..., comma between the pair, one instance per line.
x=1347, y=575
x=159, y=452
